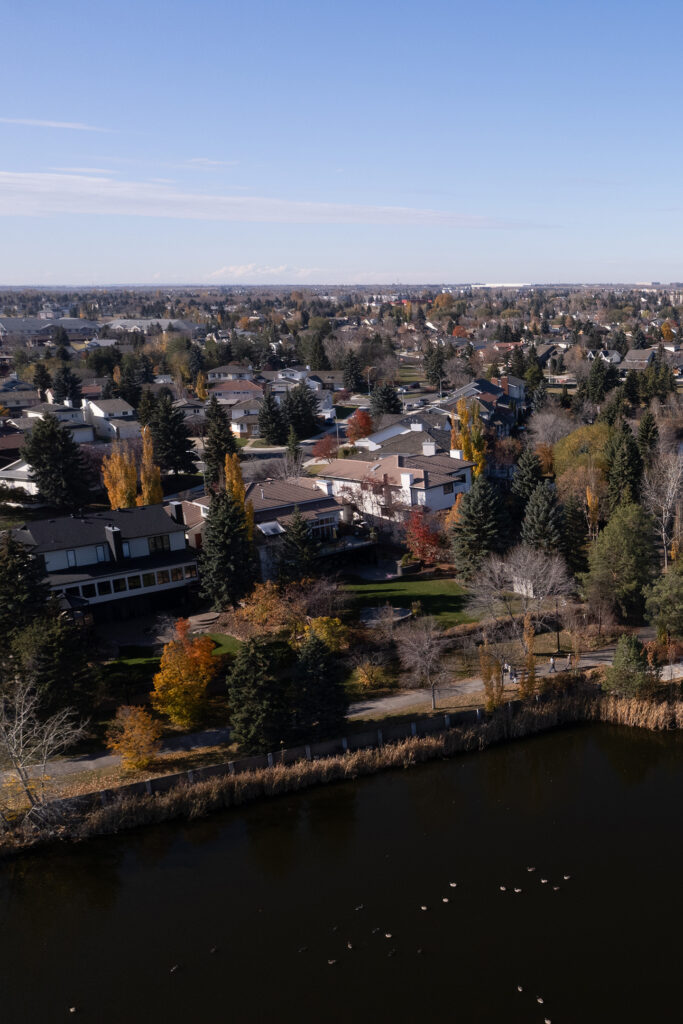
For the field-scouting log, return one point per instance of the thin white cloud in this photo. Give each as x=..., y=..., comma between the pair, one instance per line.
x=258, y=271
x=75, y=126
x=204, y=161
x=85, y=170
x=39, y=194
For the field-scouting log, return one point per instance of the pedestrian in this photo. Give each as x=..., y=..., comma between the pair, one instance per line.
x=569, y=662
x=552, y=663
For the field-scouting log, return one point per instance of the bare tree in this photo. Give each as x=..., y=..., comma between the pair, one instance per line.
x=420, y=647
x=525, y=580
x=662, y=488
x=28, y=742
x=548, y=426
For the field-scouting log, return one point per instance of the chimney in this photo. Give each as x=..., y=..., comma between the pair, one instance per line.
x=113, y=535
x=177, y=514
x=456, y=453
x=406, y=481
x=416, y=425
x=429, y=447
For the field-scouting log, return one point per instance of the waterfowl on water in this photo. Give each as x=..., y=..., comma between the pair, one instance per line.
x=349, y=945
x=387, y=935
x=502, y=888
x=539, y=999
x=519, y=988
x=453, y=884
x=544, y=881
x=531, y=869
x=555, y=888
x=445, y=899
x=518, y=890
x=331, y=962
x=424, y=908
x=566, y=877
x=174, y=969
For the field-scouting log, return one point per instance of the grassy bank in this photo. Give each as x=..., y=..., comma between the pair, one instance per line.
x=446, y=600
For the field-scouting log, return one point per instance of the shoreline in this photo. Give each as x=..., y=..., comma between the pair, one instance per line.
x=90, y=817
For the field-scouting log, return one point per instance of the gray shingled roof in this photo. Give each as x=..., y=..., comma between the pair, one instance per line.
x=79, y=531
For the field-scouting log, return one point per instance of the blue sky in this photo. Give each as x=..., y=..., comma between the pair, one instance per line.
x=294, y=142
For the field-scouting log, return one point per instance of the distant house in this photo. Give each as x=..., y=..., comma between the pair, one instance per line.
x=112, y=418
x=638, y=358
x=18, y=474
x=123, y=563
x=231, y=391
x=231, y=371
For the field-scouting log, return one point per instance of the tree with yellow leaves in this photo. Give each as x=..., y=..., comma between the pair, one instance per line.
x=470, y=437
x=135, y=736
x=200, y=387
x=120, y=476
x=150, y=475
x=453, y=513
x=187, y=667
x=234, y=483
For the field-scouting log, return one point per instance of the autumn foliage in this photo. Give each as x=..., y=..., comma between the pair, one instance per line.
x=422, y=538
x=120, y=476
x=135, y=736
x=326, y=448
x=359, y=425
x=150, y=475
x=187, y=667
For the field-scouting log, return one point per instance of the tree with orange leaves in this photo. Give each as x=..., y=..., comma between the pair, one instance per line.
x=234, y=484
x=135, y=736
x=187, y=667
x=120, y=476
x=359, y=425
x=150, y=475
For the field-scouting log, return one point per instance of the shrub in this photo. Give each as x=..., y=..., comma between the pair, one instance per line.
x=135, y=736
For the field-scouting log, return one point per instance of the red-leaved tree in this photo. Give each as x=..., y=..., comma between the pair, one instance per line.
x=359, y=425
x=422, y=538
x=326, y=448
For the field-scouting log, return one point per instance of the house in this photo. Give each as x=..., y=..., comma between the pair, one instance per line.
x=231, y=371
x=246, y=426
x=231, y=391
x=18, y=400
x=125, y=562
x=112, y=418
x=386, y=490
x=638, y=358
x=274, y=502
x=19, y=474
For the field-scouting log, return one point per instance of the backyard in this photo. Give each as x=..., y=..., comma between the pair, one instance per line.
x=445, y=600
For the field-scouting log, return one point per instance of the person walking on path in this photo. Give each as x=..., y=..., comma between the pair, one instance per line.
x=552, y=663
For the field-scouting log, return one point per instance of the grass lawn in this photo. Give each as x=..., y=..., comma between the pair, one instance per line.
x=344, y=411
x=444, y=599
x=226, y=644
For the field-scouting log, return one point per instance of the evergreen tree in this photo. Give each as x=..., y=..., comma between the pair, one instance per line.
x=575, y=535
x=528, y=476
x=56, y=464
x=319, y=699
x=195, y=361
x=353, y=377
x=300, y=410
x=629, y=674
x=616, y=409
x=41, y=380
x=518, y=364
x=23, y=590
x=219, y=441
x=384, y=399
x=648, y=436
x=171, y=436
x=434, y=359
x=298, y=550
x=271, y=422
x=625, y=470
x=293, y=449
x=317, y=356
x=621, y=562
x=539, y=395
x=50, y=652
x=595, y=386
x=226, y=557
x=632, y=387
x=664, y=602
x=128, y=388
x=477, y=531
x=145, y=369
x=146, y=407
x=67, y=386
x=543, y=525
x=260, y=718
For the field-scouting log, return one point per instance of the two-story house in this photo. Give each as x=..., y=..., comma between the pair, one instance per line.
x=231, y=371
x=126, y=562
x=112, y=418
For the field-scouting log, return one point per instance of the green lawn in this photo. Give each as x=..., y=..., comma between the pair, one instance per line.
x=226, y=644
x=444, y=599
x=344, y=411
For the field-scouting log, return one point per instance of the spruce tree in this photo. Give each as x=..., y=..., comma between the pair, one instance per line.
x=172, y=446
x=518, y=364
x=575, y=535
x=353, y=377
x=23, y=590
x=219, y=441
x=433, y=364
x=317, y=356
x=648, y=436
x=622, y=561
x=298, y=550
x=56, y=464
x=146, y=407
x=384, y=399
x=477, y=531
x=41, y=380
x=528, y=476
x=67, y=386
x=632, y=387
x=260, y=718
x=226, y=562
x=319, y=700
x=300, y=410
x=271, y=422
x=543, y=525
x=625, y=470
x=51, y=653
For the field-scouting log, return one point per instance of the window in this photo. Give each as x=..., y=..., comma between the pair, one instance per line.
x=163, y=577
x=88, y=590
x=148, y=579
x=448, y=488
x=162, y=543
x=73, y=591
x=190, y=572
x=71, y=557
x=102, y=553
x=104, y=587
x=119, y=585
x=126, y=549
x=176, y=575
x=134, y=583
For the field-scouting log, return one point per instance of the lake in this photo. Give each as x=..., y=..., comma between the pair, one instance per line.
x=237, y=917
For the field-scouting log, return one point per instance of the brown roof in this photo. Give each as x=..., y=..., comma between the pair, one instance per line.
x=439, y=469
x=237, y=386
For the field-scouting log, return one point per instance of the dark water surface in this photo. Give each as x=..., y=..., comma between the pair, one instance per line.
x=99, y=927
